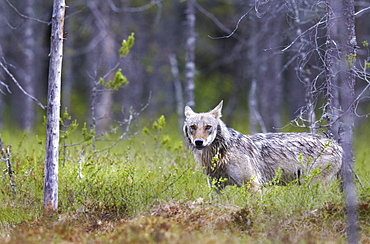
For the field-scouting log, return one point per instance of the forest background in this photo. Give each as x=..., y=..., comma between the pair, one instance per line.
x=266, y=50
x=267, y=60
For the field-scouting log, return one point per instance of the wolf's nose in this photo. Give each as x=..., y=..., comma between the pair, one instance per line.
x=198, y=142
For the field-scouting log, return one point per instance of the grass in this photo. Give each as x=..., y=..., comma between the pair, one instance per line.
x=148, y=189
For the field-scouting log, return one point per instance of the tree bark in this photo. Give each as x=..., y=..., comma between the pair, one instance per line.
x=28, y=113
x=178, y=90
x=255, y=116
x=53, y=107
x=347, y=121
x=190, y=54
x=266, y=66
x=332, y=66
x=341, y=95
x=3, y=36
x=103, y=97
x=302, y=71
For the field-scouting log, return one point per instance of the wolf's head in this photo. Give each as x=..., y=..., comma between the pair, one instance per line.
x=201, y=128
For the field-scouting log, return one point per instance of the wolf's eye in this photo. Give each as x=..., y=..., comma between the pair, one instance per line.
x=208, y=127
x=193, y=127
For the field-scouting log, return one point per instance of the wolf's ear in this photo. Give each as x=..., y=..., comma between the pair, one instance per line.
x=217, y=110
x=188, y=111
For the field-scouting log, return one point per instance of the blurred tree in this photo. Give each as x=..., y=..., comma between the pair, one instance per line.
x=3, y=86
x=225, y=67
x=190, y=53
x=267, y=63
x=21, y=48
x=28, y=72
x=340, y=59
x=303, y=76
x=108, y=57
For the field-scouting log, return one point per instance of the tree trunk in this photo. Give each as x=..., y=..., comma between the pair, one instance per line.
x=190, y=54
x=3, y=36
x=103, y=97
x=28, y=111
x=53, y=107
x=347, y=121
x=255, y=116
x=303, y=71
x=333, y=68
x=341, y=94
x=266, y=66
x=178, y=90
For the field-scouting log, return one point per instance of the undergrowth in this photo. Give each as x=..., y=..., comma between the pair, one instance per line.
x=149, y=189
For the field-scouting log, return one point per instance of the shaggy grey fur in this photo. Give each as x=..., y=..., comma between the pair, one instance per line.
x=228, y=157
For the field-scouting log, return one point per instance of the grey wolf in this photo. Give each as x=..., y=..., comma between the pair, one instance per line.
x=230, y=158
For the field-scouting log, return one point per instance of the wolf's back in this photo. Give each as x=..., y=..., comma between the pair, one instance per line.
x=295, y=155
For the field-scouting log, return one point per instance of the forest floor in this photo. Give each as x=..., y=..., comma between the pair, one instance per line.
x=192, y=222
x=149, y=190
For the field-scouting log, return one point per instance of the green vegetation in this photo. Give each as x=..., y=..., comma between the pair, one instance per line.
x=127, y=45
x=148, y=189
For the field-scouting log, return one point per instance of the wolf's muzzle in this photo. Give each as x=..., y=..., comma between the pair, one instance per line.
x=199, y=144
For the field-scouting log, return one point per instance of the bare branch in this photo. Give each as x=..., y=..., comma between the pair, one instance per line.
x=360, y=12
x=19, y=86
x=212, y=17
x=356, y=107
x=322, y=21
x=25, y=16
x=216, y=21
x=6, y=86
x=235, y=29
x=5, y=155
x=133, y=9
x=124, y=135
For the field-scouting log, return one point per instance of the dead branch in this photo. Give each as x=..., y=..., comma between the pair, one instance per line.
x=6, y=153
x=133, y=9
x=25, y=16
x=360, y=12
x=19, y=86
x=235, y=29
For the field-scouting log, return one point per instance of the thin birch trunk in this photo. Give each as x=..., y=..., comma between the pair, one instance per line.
x=332, y=69
x=28, y=113
x=347, y=93
x=255, y=116
x=5, y=155
x=190, y=54
x=308, y=84
x=266, y=67
x=178, y=90
x=53, y=107
x=341, y=94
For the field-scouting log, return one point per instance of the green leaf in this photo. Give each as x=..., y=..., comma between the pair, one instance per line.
x=165, y=140
x=118, y=81
x=146, y=131
x=101, y=81
x=350, y=59
x=66, y=114
x=162, y=121
x=88, y=135
x=127, y=45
